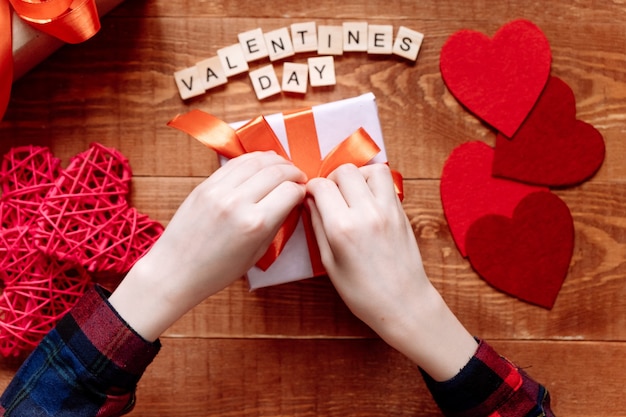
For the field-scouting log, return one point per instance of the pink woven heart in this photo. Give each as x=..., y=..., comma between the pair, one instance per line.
x=85, y=217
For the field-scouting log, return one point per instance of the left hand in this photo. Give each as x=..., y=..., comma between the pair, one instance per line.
x=221, y=229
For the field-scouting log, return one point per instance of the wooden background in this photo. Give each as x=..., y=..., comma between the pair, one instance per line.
x=295, y=349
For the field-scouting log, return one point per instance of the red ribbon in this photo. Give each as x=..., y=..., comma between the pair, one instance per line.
x=358, y=149
x=72, y=21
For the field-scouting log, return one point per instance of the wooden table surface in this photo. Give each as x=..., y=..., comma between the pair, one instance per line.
x=295, y=349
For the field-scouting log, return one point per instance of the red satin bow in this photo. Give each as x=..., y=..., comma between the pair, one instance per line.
x=257, y=135
x=72, y=21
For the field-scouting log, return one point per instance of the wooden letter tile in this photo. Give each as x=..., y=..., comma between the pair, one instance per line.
x=265, y=82
x=322, y=71
x=211, y=72
x=380, y=39
x=253, y=45
x=189, y=83
x=232, y=59
x=304, y=37
x=330, y=40
x=408, y=43
x=355, y=36
x=295, y=77
x=279, y=44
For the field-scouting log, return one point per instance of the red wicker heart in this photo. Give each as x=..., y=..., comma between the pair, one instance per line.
x=82, y=220
x=38, y=291
x=26, y=175
x=86, y=218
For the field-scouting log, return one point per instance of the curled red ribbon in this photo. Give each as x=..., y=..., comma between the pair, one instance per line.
x=257, y=135
x=72, y=21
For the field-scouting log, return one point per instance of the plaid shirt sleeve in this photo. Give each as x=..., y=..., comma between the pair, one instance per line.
x=89, y=365
x=490, y=386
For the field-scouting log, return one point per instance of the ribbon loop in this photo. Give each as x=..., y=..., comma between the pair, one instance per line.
x=359, y=148
x=72, y=21
x=6, y=57
x=37, y=10
x=210, y=131
x=257, y=135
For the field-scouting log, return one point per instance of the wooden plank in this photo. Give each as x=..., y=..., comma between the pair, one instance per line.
x=348, y=377
x=590, y=305
x=397, y=9
x=286, y=377
x=421, y=121
x=296, y=349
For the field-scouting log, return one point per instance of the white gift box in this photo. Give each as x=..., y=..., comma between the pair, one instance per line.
x=334, y=122
x=31, y=46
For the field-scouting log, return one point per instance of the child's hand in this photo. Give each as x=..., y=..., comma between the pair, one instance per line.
x=370, y=253
x=221, y=229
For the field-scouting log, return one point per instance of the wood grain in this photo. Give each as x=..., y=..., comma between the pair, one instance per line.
x=596, y=277
x=287, y=377
x=295, y=349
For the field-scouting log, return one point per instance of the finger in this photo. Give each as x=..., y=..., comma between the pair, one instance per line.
x=352, y=185
x=380, y=182
x=238, y=170
x=262, y=183
x=329, y=201
x=278, y=203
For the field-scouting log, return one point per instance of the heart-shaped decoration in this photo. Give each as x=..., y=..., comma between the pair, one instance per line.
x=498, y=79
x=37, y=291
x=551, y=147
x=26, y=175
x=469, y=191
x=86, y=219
x=526, y=255
x=88, y=201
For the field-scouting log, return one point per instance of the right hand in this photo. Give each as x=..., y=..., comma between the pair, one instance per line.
x=367, y=244
x=369, y=250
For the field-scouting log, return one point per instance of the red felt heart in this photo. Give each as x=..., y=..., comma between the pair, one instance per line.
x=86, y=219
x=499, y=79
x=528, y=255
x=469, y=191
x=551, y=147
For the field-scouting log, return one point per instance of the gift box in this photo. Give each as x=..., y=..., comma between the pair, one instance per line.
x=31, y=46
x=317, y=140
